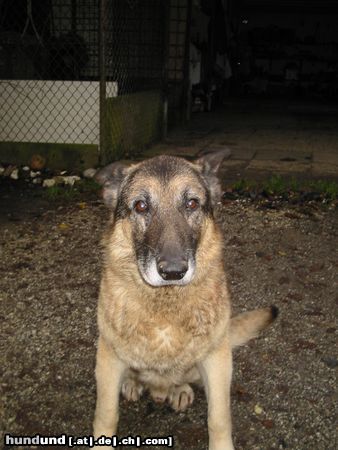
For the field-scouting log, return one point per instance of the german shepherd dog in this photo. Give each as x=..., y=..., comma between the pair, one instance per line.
x=164, y=306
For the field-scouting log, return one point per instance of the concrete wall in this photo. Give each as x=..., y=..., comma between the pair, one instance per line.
x=51, y=111
x=60, y=121
x=58, y=156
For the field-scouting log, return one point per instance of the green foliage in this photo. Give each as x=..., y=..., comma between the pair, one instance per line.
x=244, y=185
x=59, y=192
x=87, y=185
x=275, y=185
x=284, y=187
x=328, y=188
x=294, y=184
x=54, y=193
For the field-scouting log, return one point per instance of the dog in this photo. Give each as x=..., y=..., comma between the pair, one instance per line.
x=164, y=313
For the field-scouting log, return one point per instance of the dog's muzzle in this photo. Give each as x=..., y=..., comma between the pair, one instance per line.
x=166, y=273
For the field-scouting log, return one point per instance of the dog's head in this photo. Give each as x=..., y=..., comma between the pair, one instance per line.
x=166, y=200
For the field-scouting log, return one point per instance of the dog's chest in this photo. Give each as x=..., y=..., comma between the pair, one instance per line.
x=164, y=349
x=158, y=341
x=159, y=333
x=162, y=341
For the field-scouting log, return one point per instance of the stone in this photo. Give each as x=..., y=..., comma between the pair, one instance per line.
x=9, y=169
x=71, y=180
x=15, y=174
x=89, y=173
x=49, y=182
x=59, y=180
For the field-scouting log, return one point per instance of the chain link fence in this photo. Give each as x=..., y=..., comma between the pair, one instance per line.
x=83, y=72
x=135, y=43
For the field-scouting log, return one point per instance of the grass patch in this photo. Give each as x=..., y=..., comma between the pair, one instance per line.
x=294, y=185
x=244, y=185
x=275, y=185
x=325, y=187
x=69, y=193
x=54, y=193
x=288, y=187
x=87, y=185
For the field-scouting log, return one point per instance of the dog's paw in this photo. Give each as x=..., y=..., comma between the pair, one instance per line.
x=159, y=395
x=180, y=397
x=131, y=389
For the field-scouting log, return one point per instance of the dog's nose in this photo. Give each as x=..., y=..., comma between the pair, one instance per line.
x=172, y=269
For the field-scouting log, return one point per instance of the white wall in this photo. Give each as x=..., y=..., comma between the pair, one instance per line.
x=51, y=111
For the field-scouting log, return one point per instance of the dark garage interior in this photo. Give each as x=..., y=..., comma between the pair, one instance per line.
x=272, y=49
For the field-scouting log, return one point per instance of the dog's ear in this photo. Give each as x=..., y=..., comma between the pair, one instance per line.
x=110, y=178
x=209, y=163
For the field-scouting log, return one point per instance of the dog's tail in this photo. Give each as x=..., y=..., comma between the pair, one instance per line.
x=247, y=325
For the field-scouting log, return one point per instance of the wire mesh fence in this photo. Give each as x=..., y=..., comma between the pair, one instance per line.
x=82, y=71
x=135, y=54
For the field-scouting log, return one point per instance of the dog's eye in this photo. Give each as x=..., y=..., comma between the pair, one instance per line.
x=192, y=204
x=141, y=207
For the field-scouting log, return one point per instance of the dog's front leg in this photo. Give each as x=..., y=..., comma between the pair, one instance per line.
x=216, y=371
x=109, y=372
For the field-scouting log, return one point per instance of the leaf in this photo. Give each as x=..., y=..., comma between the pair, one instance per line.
x=268, y=423
x=63, y=226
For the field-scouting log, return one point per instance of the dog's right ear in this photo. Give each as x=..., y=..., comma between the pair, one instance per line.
x=110, y=178
x=209, y=163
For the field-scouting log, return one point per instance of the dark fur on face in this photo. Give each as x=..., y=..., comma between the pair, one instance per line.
x=166, y=199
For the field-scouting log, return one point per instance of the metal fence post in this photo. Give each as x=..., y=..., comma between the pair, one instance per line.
x=186, y=67
x=102, y=77
x=165, y=88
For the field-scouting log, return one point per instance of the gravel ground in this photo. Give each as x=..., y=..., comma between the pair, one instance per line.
x=284, y=382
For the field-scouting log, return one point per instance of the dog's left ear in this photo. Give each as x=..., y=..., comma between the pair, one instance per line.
x=209, y=163
x=110, y=178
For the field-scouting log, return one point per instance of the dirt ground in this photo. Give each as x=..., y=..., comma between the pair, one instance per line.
x=283, y=394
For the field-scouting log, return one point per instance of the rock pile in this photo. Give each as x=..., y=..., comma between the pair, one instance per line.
x=43, y=177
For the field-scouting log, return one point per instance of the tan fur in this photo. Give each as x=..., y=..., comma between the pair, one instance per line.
x=162, y=339
x=151, y=328
x=247, y=325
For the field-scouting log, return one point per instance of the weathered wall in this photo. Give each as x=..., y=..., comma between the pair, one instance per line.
x=51, y=111
x=133, y=121
x=58, y=156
